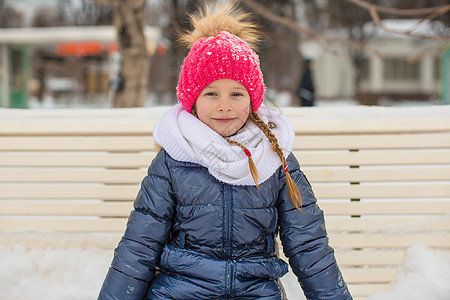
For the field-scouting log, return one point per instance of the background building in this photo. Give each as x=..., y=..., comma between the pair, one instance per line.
x=69, y=64
x=410, y=70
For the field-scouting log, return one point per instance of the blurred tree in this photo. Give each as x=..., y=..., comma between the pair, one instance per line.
x=86, y=12
x=44, y=17
x=442, y=27
x=9, y=16
x=280, y=58
x=129, y=20
x=177, y=13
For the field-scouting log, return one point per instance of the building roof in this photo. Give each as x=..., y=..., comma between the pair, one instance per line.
x=54, y=35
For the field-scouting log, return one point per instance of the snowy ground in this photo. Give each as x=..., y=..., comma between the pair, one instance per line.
x=77, y=274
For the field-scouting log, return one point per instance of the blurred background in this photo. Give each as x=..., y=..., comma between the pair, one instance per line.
x=111, y=53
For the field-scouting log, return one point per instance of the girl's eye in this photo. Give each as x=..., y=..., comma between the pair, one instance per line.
x=210, y=94
x=237, y=94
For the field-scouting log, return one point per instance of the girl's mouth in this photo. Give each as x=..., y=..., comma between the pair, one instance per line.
x=223, y=120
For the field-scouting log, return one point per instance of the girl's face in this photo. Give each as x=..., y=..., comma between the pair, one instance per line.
x=223, y=105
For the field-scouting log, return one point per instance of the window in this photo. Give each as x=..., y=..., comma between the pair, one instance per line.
x=17, y=72
x=365, y=65
x=400, y=69
x=437, y=67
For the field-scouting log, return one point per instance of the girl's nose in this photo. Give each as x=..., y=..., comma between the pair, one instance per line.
x=224, y=105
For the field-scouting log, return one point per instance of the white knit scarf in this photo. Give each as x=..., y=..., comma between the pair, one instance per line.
x=186, y=138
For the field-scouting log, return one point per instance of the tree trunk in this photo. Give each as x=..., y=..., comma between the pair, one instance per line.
x=129, y=20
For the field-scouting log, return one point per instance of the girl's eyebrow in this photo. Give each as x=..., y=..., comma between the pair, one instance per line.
x=212, y=86
x=240, y=88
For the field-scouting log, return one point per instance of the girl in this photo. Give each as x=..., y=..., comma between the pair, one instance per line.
x=222, y=187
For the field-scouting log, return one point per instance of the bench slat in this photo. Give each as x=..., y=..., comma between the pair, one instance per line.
x=101, y=126
x=66, y=208
x=109, y=122
x=381, y=141
x=314, y=175
x=368, y=126
x=389, y=240
x=420, y=190
x=381, y=257
x=72, y=175
x=142, y=143
x=118, y=208
x=370, y=258
x=83, y=114
x=143, y=160
x=101, y=225
x=428, y=207
x=81, y=191
x=373, y=157
x=58, y=240
x=369, y=275
x=359, y=291
x=393, y=224
x=381, y=174
x=122, y=209
x=354, y=240
x=77, y=143
x=87, y=159
x=128, y=192
x=122, y=125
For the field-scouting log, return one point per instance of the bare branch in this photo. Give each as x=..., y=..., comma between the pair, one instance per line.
x=433, y=12
x=104, y=1
x=402, y=12
x=323, y=38
x=305, y=31
x=172, y=18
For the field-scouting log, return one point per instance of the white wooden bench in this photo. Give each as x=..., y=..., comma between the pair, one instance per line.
x=382, y=176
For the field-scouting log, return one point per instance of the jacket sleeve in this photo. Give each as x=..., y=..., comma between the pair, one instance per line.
x=305, y=241
x=138, y=253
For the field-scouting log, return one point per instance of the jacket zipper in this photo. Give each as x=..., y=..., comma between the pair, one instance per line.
x=228, y=205
x=228, y=208
x=229, y=279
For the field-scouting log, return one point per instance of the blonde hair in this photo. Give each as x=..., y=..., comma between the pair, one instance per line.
x=293, y=191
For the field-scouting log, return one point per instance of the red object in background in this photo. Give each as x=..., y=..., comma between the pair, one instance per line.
x=161, y=49
x=112, y=47
x=81, y=49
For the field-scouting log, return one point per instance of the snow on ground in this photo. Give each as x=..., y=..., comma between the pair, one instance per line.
x=51, y=274
x=77, y=274
x=424, y=275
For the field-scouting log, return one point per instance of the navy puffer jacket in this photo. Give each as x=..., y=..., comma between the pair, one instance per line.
x=191, y=236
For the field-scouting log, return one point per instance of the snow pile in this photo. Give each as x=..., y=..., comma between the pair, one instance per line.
x=52, y=274
x=424, y=275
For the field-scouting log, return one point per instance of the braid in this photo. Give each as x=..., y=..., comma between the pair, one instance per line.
x=253, y=170
x=294, y=193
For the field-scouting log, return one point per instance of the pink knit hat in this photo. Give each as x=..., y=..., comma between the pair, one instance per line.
x=222, y=57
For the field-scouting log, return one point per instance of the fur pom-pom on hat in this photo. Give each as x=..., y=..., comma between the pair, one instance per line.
x=220, y=49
